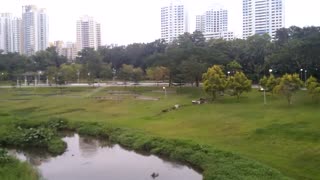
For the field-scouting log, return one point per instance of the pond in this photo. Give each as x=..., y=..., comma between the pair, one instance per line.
x=88, y=158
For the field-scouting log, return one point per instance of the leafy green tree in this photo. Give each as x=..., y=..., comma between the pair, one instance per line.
x=214, y=81
x=192, y=70
x=289, y=84
x=313, y=88
x=234, y=66
x=263, y=82
x=158, y=73
x=137, y=75
x=126, y=72
x=238, y=84
x=272, y=82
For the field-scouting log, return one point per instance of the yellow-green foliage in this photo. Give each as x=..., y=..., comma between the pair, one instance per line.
x=289, y=84
x=214, y=81
x=239, y=83
x=313, y=88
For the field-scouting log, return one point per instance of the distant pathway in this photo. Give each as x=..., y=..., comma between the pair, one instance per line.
x=95, y=91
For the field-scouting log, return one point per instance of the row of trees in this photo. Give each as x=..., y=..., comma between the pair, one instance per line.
x=184, y=60
x=217, y=83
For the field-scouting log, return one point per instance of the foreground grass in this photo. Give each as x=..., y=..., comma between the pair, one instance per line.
x=15, y=169
x=281, y=136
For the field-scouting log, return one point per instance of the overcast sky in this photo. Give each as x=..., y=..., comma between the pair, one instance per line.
x=128, y=21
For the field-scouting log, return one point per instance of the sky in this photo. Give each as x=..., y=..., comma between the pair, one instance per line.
x=129, y=21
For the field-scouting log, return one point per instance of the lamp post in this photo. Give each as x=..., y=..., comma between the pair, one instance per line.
x=301, y=70
x=270, y=71
x=89, y=78
x=25, y=80
x=165, y=91
x=229, y=73
x=305, y=77
x=39, y=74
x=78, y=73
x=114, y=71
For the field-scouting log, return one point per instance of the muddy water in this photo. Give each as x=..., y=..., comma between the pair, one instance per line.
x=91, y=159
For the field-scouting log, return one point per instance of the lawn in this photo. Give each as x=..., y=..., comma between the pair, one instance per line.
x=281, y=136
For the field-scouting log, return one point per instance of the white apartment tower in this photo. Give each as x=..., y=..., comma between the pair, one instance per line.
x=10, y=32
x=88, y=33
x=262, y=16
x=174, y=20
x=35, y=29
x=214, y=24
x=16, y=34
x=6, y=41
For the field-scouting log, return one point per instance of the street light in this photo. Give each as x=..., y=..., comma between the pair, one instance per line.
x=114, y=71
x=165, y=91
x=305, y=77
x=89, y=78
x=270, y=71
x=229, y=73
x=39, y=73
x=301, y=70
x=78, y=73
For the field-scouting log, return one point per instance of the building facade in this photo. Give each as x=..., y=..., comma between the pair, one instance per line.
x=35, y=29
x=262, y=16
x=214, y=24
x=174, y=21
x=16, y=34
x=10, y=33
x=88, y=33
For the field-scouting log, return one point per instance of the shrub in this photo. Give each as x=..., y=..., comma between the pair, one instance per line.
x=4, y=157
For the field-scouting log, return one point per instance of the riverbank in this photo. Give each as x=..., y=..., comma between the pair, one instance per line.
x=12, y=169
x=280, y=136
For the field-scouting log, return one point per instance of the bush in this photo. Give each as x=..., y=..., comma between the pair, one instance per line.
x=4, y=158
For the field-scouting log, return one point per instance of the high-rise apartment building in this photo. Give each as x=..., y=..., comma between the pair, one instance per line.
x=88, y=33
x=16, y=34
x=214, y=24
x=262, y=16
x=6, y=44
x=35, y=29
x=10, y=32
x=174, y=20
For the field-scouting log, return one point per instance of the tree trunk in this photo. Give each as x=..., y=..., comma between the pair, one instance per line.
x=197, y=82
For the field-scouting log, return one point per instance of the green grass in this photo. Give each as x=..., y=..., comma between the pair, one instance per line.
x=17, y=170
x=278, y=135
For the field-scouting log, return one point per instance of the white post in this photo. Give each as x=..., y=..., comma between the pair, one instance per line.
x=25, y=80
x=264, y=95
x=165, y=91
x=47, y=81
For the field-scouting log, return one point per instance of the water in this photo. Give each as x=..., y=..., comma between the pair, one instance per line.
x=88, y=158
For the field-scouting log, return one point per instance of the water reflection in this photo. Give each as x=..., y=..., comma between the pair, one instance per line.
x=88, y=158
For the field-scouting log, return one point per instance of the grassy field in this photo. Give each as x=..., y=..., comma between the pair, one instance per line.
x=284, y=137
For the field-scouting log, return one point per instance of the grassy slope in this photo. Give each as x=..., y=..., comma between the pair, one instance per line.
x=286, y=138
x=17, y=170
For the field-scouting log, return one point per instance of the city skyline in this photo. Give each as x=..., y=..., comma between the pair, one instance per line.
x=124, y=22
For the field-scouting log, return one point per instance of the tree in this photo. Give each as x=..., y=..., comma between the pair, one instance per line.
x=192, y=70
x=137, y=75
x=234, y=66
x=239, y=84
x=126, y=72
x=313, y=88
x=263, y=82
x=215, y=81
x=158, y=73
x=272, y=82
x=289, y=84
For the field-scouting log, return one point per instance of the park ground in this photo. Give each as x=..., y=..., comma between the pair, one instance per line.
x=285, y=137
